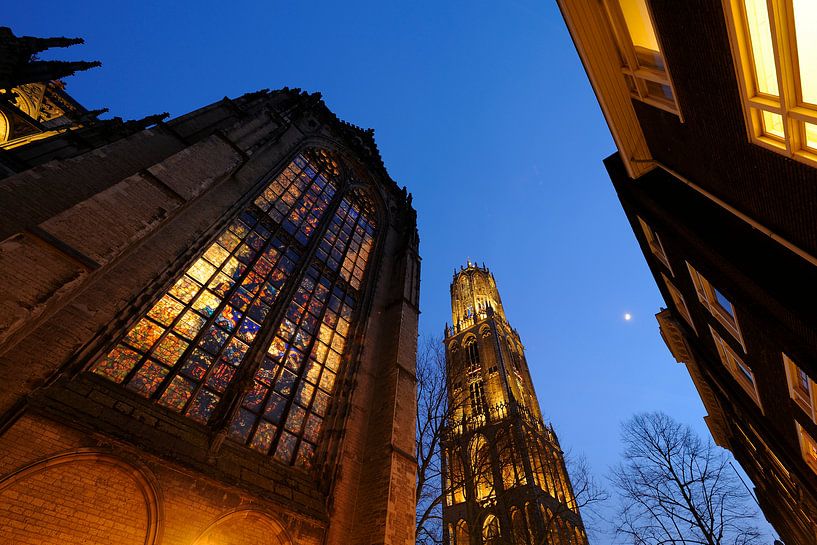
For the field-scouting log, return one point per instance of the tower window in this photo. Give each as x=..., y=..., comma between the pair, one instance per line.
x=192, y=344
x=472, y=354
x=479, y=404
x=775, y=51
x=642, y=62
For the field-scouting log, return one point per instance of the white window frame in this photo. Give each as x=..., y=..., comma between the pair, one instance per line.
x=789, y=103
x=631, y=68
x=708, y=298
x=806, y=400
x=737, y=368
x=680, y=303
x=654, y=241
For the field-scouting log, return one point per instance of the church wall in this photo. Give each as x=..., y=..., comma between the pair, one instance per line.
x=92, y=259
x=59, y=485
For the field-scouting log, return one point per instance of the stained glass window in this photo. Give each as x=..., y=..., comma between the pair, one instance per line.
x=192, y=342
x=284, y=411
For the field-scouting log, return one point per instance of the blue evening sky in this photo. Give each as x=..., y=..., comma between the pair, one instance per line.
x=484, y=111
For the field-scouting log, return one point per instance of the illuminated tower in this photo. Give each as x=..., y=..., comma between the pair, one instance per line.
x=504, y=476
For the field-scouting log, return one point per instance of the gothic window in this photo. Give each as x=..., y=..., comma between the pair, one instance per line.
x=520, y=531
x=192, y=344
x=510, y=463
x=479, y=404
x=462, y=537
x=479, y=454
x=472, y=354
x=490, y=531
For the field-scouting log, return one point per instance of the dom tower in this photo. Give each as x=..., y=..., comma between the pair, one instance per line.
x=504, y=474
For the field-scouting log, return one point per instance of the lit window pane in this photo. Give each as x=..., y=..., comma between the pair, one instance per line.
x=757, y=17
x=642, y=33
x=805, y=23
x=773, y=124
x=811, y=136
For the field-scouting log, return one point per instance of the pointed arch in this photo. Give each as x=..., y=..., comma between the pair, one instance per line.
x=479, y=454
x=461, y=535
x=491, y=534
x=249, y=526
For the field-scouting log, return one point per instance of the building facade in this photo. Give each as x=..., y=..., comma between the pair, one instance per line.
x=196, y=317
x=712, y=106
x=504, y=475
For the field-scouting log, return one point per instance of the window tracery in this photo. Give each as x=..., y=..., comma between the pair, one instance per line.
x=192, y=344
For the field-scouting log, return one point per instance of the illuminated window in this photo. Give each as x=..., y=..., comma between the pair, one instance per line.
x=655, y=244
x=775, y=48
x=801, y=387
x=808, y=447
x=490, y=531
x=191, y=345
x=479, y=405
x=739, y=370
x=472, y=354
x=642, y=62
x=680, y=303
x=717, y=304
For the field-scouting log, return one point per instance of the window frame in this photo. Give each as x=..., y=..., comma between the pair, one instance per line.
x=680, y=302
x=804, y=438
x=708, y=298
x=789, y=103
x=630, y=66
x=654, y=242
x=805, y=401
x=730, y=359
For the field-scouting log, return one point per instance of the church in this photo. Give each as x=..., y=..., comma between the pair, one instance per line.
x=209, y=323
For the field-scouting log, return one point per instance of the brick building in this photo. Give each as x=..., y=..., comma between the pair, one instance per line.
x=713, y=107
x=504, y=474
x=208, y=327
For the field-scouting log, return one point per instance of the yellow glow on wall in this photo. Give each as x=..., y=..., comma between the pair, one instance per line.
x=639, y=24
x=760, y=34
x=805, y=22
x=773, y=124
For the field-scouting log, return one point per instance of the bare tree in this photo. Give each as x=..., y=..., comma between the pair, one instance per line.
x=676, y=489
x=432, y=410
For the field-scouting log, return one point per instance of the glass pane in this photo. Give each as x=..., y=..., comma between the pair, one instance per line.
x=772, y=124
x=757, y=17
x=811, y=136
x=639, y=25
x=725, y=303
x=805, y=23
